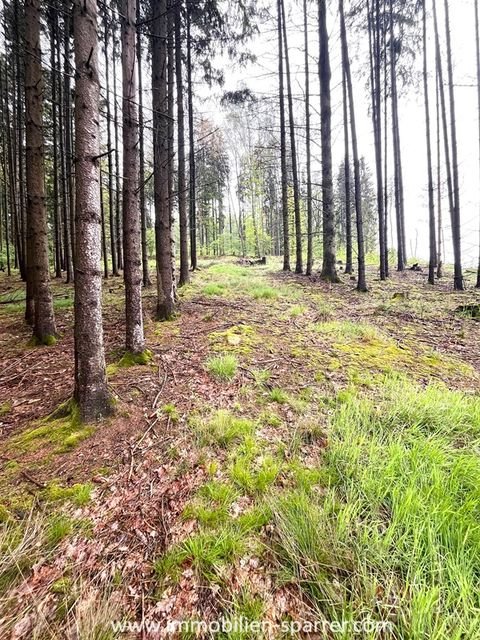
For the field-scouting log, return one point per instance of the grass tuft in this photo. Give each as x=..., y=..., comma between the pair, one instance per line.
x=223, y=367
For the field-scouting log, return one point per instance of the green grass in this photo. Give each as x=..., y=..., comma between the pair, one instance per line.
x=223, y=367
x=223, y=429
x=399, y=520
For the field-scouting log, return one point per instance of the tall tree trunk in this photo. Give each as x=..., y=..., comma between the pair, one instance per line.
x=431, y=201
x=293, y=151
x=397, y=164
x=456, y=229
x=348, y=212
x=44, y=322
x=64, y=176
x=165, y=284
x=375, y=93
x=443, y=107
x=439, y=182
x=132, y=272
x=171, y=129
x=111, y=201
x=329, y=269
x=118, y=182
x=91, y=390
x=308, y=147
x=192, y=202
x=67, y=96
x=477, y=51
x=283, y=144
x=361, y=282
x=141, y=148
x=182, y=201
x=20, y=83
x=56, y=191
x=104, y=235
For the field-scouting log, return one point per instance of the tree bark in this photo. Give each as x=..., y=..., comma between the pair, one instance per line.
x=37, y=231
x=308, y=148
x=361, y=281
x=182, y=200
x=67, y=96
x=431, y=201
x=348, y=212
x=91, y=390
x=111, y=202
x=293, y=152
x=456, y=230
x=283, y=145
x=165, y=284
x=141, y=148
x=329, y=269
x=132, y=272
x=192, y=204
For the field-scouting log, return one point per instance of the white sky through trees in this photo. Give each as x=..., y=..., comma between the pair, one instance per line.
x=261, y=78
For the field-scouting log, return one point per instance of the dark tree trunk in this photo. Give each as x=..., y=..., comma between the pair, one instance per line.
x=118, y=182
x=182, y=200
x=165, y=284
x=104, y=237
x=111, y=203
x=375, y=91
x=37, y=230
x=132, y=273
x=283, y=145
x=141, y=148
x=308, y=148
x=67, y=96
x=456, y=226
x=348, y=212
x=329, y=269
x=431, y=201
x=91, y=390
x=293, y=151
x=439, y=183
x=361, y=282
x=192, y=203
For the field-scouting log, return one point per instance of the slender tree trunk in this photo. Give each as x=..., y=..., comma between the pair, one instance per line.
x=375, y=93
x=361, y=282
x=443, y=106
x=67, y=96
x=44, y=322
x=182, y=201
x=118, y=182
x=477, y=51
x=20, y=83
x=192, y=204
x=348, y=212
x=111, y=202
x=456, y=229
x=439, y=183
x=329, y=268
x=283, y=145
x=91, y=390
x=104, y=237
x=64, y=177
x=293, y=151
x=165, y=284
x=431, y=201
x=171, y=130
x=141, y=147
x=56, y=190
x=132, y=273
x=308, y=147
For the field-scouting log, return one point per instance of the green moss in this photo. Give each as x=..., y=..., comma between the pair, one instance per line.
x=5, y=408
x=79, y=494
x=44, y=341
x=62, y=428
x=130, y=359
x=239, y=338
x=171, y=411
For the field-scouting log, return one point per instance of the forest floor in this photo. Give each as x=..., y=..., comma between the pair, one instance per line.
x=297, y=460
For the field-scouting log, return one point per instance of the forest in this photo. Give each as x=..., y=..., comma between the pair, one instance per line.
x=239, y=319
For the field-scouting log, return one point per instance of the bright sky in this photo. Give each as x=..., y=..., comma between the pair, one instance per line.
x=261, y=78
